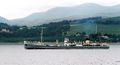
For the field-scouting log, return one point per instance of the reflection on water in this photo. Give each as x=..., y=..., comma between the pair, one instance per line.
x=17, y=55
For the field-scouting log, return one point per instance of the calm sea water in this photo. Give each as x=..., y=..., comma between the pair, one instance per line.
x=17, y=55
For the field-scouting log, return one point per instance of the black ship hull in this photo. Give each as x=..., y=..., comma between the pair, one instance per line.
x=32, y=46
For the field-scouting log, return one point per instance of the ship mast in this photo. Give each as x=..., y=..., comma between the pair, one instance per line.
x=96, y=29
x=41, y=34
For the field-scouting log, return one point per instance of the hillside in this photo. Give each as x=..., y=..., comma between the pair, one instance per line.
x=104, y=25
x=107, y=30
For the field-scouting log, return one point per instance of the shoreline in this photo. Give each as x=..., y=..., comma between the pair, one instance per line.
x=22, y=43
x=11, y=43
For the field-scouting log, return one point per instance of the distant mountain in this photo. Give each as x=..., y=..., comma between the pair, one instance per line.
x=3, y=20
x=75, y=12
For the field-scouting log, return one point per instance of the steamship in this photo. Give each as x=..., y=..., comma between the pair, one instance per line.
x=86, y=44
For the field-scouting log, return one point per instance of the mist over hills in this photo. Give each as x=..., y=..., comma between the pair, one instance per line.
x=68, y=13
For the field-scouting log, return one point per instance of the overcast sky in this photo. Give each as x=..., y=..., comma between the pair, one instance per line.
x=12, y=9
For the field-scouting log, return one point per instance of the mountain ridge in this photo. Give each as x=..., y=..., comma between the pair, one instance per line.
x=3, y=20
x=74, y=12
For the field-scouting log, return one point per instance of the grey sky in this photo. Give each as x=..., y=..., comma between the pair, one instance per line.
x=12, y=9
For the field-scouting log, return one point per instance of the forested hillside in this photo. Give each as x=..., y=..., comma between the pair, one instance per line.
x=106, y=29
x=51, y=31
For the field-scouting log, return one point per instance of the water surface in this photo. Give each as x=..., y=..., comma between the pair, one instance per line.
x=17, y=55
